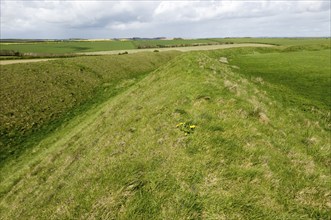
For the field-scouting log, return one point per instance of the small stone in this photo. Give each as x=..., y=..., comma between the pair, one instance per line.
x=263, y=118
x=223, y=60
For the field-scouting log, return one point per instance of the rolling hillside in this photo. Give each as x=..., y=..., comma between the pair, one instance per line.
x=202, y=136
x=35, y=98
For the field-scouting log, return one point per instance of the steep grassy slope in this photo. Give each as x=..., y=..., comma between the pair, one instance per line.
x=249, y=157
x=297, y=76
x=38, y=97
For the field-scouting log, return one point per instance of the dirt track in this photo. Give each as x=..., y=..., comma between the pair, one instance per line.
x=183, y=49
x=6, y=62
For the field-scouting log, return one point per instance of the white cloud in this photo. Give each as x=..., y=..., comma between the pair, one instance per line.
x=128, y=26
x=63, y=19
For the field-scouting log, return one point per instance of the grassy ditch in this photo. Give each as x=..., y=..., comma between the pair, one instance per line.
x=40, y=96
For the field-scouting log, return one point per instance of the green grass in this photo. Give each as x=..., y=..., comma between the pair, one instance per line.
x=68, y=47
x=87, y=46
x=9, y=57
x=305, y=73
x=40, y=96
x=251, y=155
x=175, y=42
x=279, y=41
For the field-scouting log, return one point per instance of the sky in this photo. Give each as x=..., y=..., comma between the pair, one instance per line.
x=56, y=19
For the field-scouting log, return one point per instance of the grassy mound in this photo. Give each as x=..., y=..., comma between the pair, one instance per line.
x=37, y=97
x=195, y=139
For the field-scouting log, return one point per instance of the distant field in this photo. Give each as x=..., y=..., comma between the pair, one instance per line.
x=160, y=43
x=280, y=41
x=88, y=46
x=68, y=47
x=182, y=49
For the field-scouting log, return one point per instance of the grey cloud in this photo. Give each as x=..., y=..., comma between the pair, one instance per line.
x=104, y=19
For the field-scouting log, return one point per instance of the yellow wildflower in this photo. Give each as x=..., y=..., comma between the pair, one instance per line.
x=179, y=124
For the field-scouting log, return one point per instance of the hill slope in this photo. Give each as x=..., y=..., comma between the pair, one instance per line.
x=245, y=156
x=36, y=98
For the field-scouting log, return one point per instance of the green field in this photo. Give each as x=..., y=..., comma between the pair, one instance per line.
x=92, y=46
x=86, y=46
x=67, y=47
x=175, y=42
x=280, y=41
x=309, y=73
x=169, y=135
